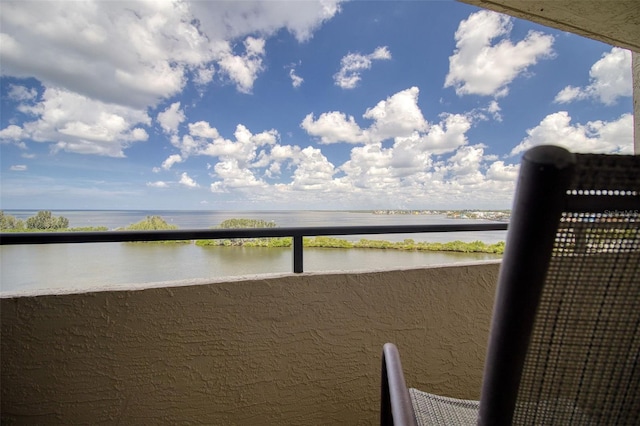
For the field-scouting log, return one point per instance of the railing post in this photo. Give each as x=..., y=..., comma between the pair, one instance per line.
x=297, y=254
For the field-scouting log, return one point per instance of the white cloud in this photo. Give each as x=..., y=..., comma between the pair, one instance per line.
x=204, y=74
x=503, y=172
x=257, y=168
x=236, y=158
x=12, y=133
x=592, y=137
x=171, y=160
x=202, y=129
x=354, y=63
x=171, y=118
x=334, y=127
x=21, y=93
x=234, y=176
x=18, y=168
x=494, y=109
x=158, y=184
x=296, y=80
x=369, y=168
x=568, y=94
x=243, y=69
x=314, y=171
x=187, y=181
x=134, y=54
x=375, y=176
x=125, y=58
x=610, y=79
x=137, y=54
x=231, y=20
x=397, y=116
x=82, y=125
x=480, y=68
x=445, y=136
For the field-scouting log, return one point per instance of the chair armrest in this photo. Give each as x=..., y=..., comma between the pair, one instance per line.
x=395, y=402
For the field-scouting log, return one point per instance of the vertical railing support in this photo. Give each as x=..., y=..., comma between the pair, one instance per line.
x=297, y=254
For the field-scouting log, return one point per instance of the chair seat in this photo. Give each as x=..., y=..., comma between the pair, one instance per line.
x=433, y=409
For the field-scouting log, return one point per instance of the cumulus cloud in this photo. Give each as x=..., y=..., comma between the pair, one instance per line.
x=171, y=160
x=82, y=125
x=236, y=19
x=235, y=157
x=398, y=115
x=18, y=168
x=399, y=118
x=21, y=93
x=313, y=172
x=171, y=118
x=479, y=67
x=412, y=170
x=12, y=133
x=132, y=56
x=138, y=54
x=592, y=137
x=158, y=184
x=296, y=80
x=233, y=176
x=442, y=137
x=503, y=172
x=242, y=69
x=257, y=167
x=127, y=58
x=610, y=78
x=334, y=127
x=187, y=181
x=352, y=65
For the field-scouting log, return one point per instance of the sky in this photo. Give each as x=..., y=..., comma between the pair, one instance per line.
x=300, y=105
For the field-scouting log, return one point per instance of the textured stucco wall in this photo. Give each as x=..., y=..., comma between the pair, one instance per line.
x=296, y=349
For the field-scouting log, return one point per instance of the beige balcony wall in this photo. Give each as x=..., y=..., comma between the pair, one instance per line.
x=278, y=350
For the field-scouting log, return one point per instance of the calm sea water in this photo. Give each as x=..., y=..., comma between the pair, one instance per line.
x=93, y=266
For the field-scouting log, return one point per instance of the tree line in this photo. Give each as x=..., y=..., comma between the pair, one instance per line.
x=46, y=221
x=42, y=221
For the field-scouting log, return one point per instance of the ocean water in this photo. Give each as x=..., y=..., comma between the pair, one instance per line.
x=85, y=267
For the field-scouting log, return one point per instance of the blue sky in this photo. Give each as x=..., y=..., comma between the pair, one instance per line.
x=291, y=105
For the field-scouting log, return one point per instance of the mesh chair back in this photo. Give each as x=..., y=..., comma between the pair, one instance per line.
x=577, y=360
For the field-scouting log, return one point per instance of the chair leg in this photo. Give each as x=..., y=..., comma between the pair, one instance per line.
x=395, y=402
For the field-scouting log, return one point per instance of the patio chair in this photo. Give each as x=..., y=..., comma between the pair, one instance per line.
x=564, y=343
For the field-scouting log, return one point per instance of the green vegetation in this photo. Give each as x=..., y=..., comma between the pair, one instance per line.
x=455, y=246
x=150, y=223
x=10, y=223
x=332, y=242
x=246, y=242
x=245, y=223
x=154, y=223
x=407, y=245
x=42, y=221
x=88, y=229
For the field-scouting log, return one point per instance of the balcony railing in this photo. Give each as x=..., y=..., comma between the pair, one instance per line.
x=296, y=233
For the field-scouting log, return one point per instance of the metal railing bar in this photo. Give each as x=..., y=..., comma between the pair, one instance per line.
x=298, y=265
x=14, y=238
x=297, y=233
